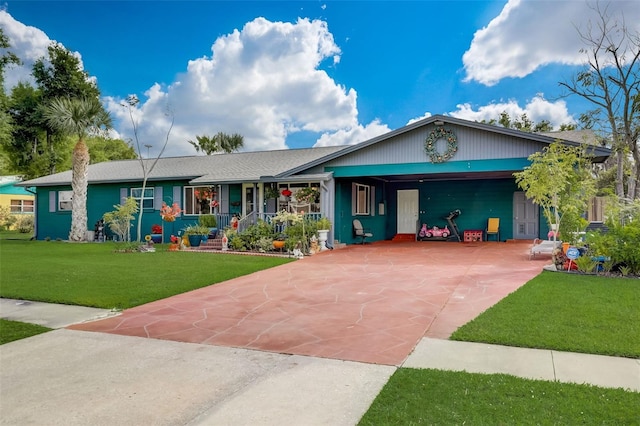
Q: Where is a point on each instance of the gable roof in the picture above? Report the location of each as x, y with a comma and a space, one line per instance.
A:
573, 138
218, 168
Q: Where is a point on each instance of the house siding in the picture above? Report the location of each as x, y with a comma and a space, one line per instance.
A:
100, 200
408, 148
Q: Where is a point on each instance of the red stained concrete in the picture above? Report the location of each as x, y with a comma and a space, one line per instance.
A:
370, 303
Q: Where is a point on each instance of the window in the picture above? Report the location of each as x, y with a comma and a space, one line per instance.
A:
200, 200
21, 206
147, 198
306, 203
64, 200
361, 199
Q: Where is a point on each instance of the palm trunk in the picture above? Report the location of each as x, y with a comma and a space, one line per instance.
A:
80, 161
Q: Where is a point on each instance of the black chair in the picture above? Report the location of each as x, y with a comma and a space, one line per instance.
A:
360, 232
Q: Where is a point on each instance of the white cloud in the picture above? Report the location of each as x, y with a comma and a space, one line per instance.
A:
353, 135
425, 115
536, 109
263, 81
28, 43
529, 34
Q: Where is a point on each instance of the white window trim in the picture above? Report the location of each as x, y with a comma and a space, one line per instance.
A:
361, 199
143, 198
190, 210
22, 207
65, 201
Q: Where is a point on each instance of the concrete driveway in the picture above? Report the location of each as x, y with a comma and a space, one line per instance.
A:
370, 303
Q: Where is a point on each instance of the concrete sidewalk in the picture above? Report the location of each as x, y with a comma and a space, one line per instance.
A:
538, 364
50, 314
67, 377
77, 378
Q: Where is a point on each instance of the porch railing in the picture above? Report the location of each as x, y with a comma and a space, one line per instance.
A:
224, 219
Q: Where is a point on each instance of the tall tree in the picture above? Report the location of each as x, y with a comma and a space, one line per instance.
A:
610, 80
146, 165
60, 75
104, 149
6, 125
221, 142
525, 124
560, 181
26, 150
78, 117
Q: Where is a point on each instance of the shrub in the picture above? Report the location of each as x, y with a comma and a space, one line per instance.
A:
208, 220
620, 244
24, 223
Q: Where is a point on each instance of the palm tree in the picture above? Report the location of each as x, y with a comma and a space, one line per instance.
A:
221, 142
78, 117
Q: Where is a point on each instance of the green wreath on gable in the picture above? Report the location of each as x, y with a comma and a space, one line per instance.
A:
430, 144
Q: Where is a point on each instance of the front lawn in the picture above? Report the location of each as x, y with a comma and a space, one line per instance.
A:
565, 312
434, 397
14, 330
92, 274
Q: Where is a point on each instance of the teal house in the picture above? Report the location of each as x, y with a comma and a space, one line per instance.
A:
393, 183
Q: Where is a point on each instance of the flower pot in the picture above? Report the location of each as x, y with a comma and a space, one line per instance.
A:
213, 233
194, 240
322, 238
156, 238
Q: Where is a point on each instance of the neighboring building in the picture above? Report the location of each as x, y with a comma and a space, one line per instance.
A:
392, 183
18, 199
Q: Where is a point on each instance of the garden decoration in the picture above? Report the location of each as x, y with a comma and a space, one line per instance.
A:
156, 233
175, 243
169, 213
430, 145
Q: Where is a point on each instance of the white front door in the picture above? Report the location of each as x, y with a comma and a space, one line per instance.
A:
525, 217
407, 211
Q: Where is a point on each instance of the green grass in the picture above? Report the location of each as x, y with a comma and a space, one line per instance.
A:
15, 235
94, 275
443, 397
14, 330
566, 312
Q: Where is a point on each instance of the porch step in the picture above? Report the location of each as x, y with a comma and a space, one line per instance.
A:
404, 237
212, 244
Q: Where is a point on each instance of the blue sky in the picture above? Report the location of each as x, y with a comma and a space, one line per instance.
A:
298, 74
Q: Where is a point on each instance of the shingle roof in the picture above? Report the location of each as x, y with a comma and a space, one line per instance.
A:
218, 168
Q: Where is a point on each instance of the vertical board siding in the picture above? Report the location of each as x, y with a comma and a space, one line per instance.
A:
409, 148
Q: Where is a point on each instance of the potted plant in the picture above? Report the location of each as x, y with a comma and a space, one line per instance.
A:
308, 195
196, 234
209, 221
271, 192
279, 241
324, 225
156, 233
